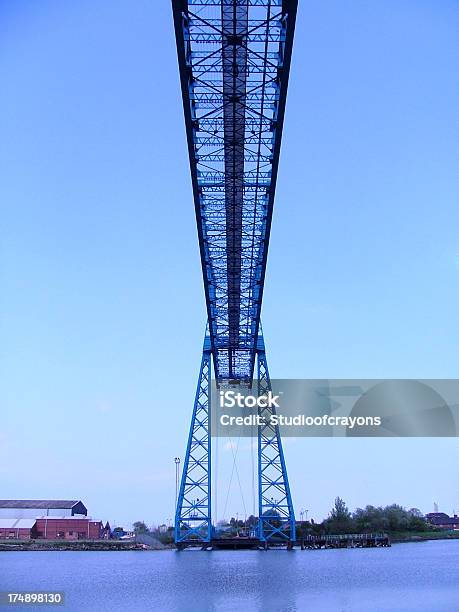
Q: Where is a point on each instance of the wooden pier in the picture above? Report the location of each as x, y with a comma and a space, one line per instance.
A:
310, 542
352, 540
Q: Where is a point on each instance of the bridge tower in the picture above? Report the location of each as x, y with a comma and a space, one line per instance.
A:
234, 62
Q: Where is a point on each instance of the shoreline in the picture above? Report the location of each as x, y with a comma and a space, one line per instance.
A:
117, 545
423, 537
77, 545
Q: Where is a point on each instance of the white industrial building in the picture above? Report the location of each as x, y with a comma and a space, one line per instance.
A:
33, 508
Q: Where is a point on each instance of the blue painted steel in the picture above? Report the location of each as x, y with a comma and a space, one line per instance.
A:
193, 516
276, 517
234, 60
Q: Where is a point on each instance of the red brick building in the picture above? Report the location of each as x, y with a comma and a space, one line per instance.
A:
67, 528
443, 521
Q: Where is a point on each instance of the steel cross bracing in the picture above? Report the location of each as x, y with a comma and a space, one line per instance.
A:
193, 518
193, 512
234, 60
276, 517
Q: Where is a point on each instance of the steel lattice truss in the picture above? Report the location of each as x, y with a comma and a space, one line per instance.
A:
193, 513
234, 59
276, 517
193, 518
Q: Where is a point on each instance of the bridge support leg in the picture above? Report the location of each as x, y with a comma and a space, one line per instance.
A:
276, 520
193, 522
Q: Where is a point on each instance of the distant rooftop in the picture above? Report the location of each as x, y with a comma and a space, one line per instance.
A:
75, 517
440, 518
437, 515
59, 504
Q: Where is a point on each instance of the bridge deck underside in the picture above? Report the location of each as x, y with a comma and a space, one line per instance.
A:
234, 58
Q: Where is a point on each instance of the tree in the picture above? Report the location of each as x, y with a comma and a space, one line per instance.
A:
417, 520
340, 519
236, 523
390, 518
340, 511
370, 519
140, 527
252, 521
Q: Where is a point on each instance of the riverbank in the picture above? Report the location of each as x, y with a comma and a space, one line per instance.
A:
75, 545
126, 545
422, 536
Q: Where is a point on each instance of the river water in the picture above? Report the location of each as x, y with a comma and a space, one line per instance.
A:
421, 577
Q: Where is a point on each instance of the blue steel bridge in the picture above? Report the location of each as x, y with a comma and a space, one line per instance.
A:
234, 61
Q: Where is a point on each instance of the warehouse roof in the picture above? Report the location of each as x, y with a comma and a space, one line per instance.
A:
75, 517
448, 520
15, 523
39, 503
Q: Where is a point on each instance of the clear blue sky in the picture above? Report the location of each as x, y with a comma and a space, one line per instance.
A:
102, 307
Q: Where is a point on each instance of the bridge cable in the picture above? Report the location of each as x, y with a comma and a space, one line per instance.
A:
234, 469
216, 481
252, 454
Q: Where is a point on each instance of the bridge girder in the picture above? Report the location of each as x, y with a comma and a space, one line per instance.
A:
234, 61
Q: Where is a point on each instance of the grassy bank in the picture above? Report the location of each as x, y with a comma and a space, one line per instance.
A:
420, 536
